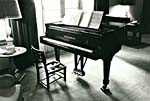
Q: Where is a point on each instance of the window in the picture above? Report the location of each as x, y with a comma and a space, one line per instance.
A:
51, 10
71, 5
87, 5
54, 10
2, 30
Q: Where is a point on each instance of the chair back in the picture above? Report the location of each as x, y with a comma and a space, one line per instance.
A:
39, 58
38, 55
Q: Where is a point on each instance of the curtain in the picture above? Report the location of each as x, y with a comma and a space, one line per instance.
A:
146, 13
101, 5
24, 32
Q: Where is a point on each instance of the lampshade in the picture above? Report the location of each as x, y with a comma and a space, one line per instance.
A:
9, 9
128, 2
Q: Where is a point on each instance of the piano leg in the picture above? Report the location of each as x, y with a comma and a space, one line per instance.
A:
76, 61
57, 53
106, 70
82, 65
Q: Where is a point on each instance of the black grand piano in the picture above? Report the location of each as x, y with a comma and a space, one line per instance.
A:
85, 43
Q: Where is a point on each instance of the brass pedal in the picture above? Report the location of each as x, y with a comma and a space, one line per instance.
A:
79, 72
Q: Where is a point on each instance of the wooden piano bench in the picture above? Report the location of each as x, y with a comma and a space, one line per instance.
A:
133, 33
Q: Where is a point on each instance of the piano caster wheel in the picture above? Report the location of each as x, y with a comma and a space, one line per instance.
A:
83, 73
78, 72
106, 90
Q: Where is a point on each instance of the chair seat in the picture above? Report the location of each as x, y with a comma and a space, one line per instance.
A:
7, 81
55, 66
9, 90
55, 69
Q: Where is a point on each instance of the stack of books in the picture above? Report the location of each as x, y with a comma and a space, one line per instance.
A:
7, 47
3, 43
10, 46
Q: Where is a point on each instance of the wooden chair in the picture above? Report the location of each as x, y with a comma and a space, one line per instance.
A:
47, 73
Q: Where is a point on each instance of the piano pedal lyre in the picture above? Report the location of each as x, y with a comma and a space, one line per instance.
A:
82, 60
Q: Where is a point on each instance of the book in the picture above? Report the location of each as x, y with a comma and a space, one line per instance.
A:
3, 43
2, 51
87, 19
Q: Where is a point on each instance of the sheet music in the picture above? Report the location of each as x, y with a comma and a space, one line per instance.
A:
86, 16
88, 19
96, 19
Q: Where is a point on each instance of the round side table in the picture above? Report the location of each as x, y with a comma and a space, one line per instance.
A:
18, 51
12, 68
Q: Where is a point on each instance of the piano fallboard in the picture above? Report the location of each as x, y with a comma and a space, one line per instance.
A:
69, 47
73, 35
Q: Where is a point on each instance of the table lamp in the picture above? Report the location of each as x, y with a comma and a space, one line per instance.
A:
127, 3
9, 9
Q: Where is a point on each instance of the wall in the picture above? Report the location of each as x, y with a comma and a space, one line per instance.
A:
134, 12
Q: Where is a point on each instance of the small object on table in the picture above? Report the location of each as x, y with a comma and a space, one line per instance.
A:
9, 52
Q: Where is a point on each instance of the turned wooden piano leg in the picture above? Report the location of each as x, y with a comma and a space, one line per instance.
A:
76, 61
57, 54
82, 65
106, 70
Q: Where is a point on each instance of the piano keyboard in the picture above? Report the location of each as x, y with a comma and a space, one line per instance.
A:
60, 43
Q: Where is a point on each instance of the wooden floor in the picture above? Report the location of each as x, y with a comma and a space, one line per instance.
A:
129, 79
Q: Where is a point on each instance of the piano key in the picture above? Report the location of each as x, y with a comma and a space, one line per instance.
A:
67, 45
